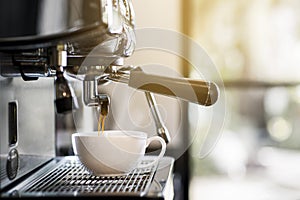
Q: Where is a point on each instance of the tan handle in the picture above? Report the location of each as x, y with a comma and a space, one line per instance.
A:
195, 91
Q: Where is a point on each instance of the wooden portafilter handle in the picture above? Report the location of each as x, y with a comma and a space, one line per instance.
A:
191, 90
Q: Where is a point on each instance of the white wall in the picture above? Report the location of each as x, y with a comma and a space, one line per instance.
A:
158, 13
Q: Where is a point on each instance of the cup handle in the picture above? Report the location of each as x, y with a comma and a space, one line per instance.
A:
162, 152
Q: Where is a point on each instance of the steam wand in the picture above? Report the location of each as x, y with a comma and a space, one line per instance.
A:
161, 129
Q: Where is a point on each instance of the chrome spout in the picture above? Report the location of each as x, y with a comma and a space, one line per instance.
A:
92, 98
90, 93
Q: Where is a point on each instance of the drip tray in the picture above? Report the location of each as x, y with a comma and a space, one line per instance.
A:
70, 178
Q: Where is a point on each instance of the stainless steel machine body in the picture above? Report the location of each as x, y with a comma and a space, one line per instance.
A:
42, 44
46, 38
37, 38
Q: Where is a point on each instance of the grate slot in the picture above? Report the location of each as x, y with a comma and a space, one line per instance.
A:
3, 173
49, 183
71, 177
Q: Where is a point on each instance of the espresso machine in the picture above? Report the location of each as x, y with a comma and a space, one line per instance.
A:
44, 44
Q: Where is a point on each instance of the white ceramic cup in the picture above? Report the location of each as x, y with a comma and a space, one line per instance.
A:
113, 152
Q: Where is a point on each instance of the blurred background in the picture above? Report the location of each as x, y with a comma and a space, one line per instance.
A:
255, 45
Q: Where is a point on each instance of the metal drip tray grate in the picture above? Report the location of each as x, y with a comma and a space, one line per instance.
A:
71, 178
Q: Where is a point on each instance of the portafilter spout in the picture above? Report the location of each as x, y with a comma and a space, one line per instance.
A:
92, 98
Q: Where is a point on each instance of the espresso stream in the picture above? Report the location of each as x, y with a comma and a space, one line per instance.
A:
101, 123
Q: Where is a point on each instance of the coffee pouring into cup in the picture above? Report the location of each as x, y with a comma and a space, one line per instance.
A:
119, 152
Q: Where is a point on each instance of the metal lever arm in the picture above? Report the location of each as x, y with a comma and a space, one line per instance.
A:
195, 91
162, 130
